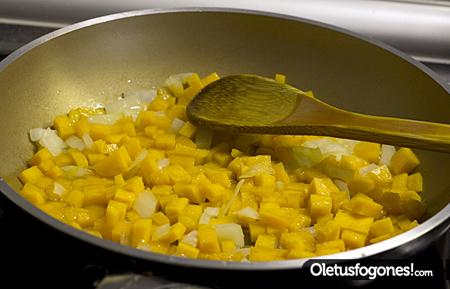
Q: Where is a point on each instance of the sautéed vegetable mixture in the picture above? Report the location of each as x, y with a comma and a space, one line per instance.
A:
137, 172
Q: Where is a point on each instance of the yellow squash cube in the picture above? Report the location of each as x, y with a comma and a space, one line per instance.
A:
415, 182
368, 151
31, 175
142, 229
185, 250
320, 205
404, 161
267, 241
382, 227
208, 241
117, 163
353, 239
121, 233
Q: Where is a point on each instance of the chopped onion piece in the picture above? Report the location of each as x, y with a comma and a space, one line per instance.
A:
341, 185
235, 194
52, 142
175, 82
231, 231
88, 141
364, 170
203, 138
139, 158
145, 204
105, 119
176, 125
248, 212
75, 143
160, 231
387, 151
36, 133
208, 213
75, 171
163, 163
191, 238
116, 107
58, 189
328, 147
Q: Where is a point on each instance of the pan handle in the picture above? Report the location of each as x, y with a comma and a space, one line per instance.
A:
138, 281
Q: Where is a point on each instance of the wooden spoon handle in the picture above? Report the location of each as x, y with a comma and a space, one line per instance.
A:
394, 131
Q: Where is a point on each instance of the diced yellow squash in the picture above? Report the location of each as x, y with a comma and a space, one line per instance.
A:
213, 192
116, 163
320, 205
210, 78
353, 239
64, 126
327, 231
350, 221
279, 218
82, 127
95, 195
365, 206
31, 175
368, 151
400, 181
265, 180
330, 247
323, 186
208, 241
299, 222
125, 197
142, 229
41, 156
115, 212
381, 175
185, 250
404, 161
63, 159
159, 219
177, 174
280, 78
227, 246
188, 130
260, 254
100, 131
382, 227
134, 184
79, 158
175, 232
75, 198
267, 241
175, 207
165, 141
360, 184
189, 191
415, 182
33, 194
340, 199
194, 86
133, 146
185, 162
55, 172
121, 233
301, 239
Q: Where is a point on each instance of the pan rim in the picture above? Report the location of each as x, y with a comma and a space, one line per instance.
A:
366, 251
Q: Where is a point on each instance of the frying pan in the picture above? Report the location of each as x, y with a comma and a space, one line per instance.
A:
129, 51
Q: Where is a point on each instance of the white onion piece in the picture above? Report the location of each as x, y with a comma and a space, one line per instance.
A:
248, 212
105, 119
160, 231
76, 171
208, 213
364, 170
58, 189
88, 141
176, 125
36, 133
231, 231
235, 193
191, 238
145, 204
175, 82
341, 185
75, 143
387, 151
328, 147
163, 163
139, 158
52, 142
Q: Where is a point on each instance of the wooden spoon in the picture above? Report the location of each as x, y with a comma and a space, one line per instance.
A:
254, 104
